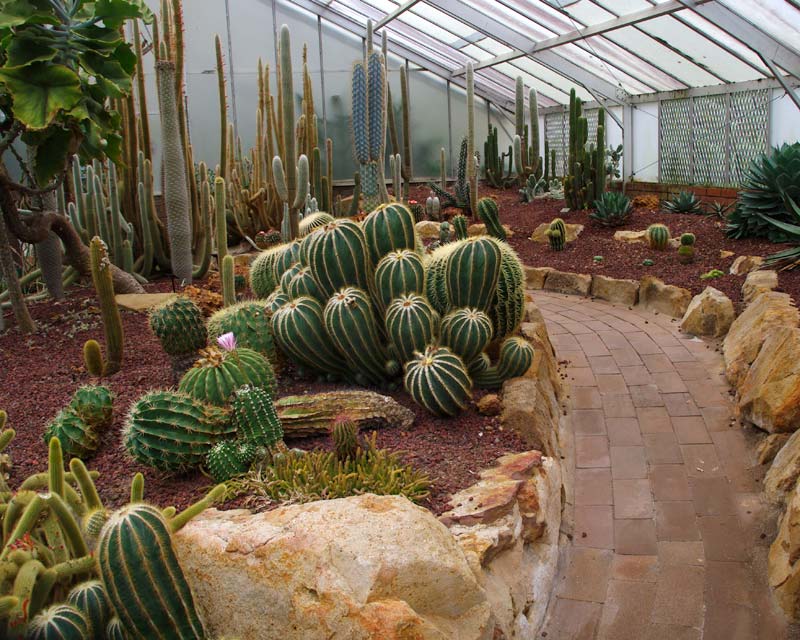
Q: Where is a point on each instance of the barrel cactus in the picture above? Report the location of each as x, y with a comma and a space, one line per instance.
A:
466, 332
77, 438
314, 221
173, 431
91, 600
94, 404
471, 273
490, 216
516, 357
250, 321
58, 622
230, 458
303, 283
436, 277
411, 325
557, 234
338, 257
275, 301
287, 276
179, 326
438, 381
255, 418
148, 591
344, 434
351, 326
459, 223
264, 270
114, 630
299, 330
658, 236
399, 273
218, 373
509, 301
389, 228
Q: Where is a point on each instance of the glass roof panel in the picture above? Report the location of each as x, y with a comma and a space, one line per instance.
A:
777, 17
433, 16
542, 79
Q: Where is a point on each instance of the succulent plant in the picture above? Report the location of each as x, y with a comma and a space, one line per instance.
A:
230, 458
287, 276
115, 630
687, 239
250, 321
91, 599
76, 436
338, 257
508, 307
516, 357
399, 273
612, 209
218, 373
466, 332
314, 221
173, 431
658, 236
109, 311
684, 202
93, 404
389, 228
179, 326
557, 234
58, 622
436, 277
255, 417
459, 223
490, 216
479, 255
411, 325
438, 381
267, 268
303, 283
344, 434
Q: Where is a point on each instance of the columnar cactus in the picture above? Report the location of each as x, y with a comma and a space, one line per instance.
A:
399, 273
299, 330
229, 458
250, 322
490, 216
109, 311
369, 124
353, 329
658, 236
173, 431
255, 418
218, 373
149, 591
411, 325
516, 357
557, 234
578, 188
344, 434
178, 324
433, 207
466, 332
472, 271
459, 223
338, 257
228, 286
389, 228
438, 381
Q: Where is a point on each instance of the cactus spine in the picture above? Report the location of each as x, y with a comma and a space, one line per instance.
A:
228, 286
112, 321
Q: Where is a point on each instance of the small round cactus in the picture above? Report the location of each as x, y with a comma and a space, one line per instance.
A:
687, 239
557, 234
61, 621
658, 236
179, 326
438, 381
229, 458
344, 433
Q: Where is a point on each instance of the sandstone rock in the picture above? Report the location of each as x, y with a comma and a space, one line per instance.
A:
785, 470
428, 229
480, 230
745, 264
710, 313
784, 559
758, 282
528, 410
489, 405
535, 276
573, 231
630, 237
244, 259
544, 367
769, 447
142, 301
615, 290
567, 282
748, 331
769, 395
668, 299
363, 568
725, 254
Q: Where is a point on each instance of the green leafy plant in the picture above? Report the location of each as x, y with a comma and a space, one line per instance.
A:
597, 259
612, 209
790, 258
718, 209
714, 273
684, 202
647, 262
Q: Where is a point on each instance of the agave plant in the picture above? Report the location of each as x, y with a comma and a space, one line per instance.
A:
771, 184
789, 258
684, 202
612, 209
718, 209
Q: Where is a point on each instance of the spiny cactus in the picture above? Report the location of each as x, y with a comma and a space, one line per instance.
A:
114, 630
411, 325
93, 404
399, 273
338, 257
303, 283
173, 431
228, 286
687, 239
509, 302
658, 236
471, 273
91, 600
218, 373
93, 358
351, 326
178, 324
149, 591
287, 276
436, 276
344, 434
264, 276
459, 223
109, 311
77, 438
389, 228
314, 221
489, 214
255, 418
229, 458
466, 332
250, 321
557, 234
433, 207
58, 622
516, 356
299, 330
437, 380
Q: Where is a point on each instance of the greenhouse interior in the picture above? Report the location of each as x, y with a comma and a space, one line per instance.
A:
399, 319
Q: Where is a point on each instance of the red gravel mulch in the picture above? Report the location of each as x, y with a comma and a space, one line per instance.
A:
40, 373
625, 260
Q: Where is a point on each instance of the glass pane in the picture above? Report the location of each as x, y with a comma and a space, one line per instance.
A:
776, 17
428, 94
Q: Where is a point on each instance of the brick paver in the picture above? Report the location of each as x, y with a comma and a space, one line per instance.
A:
665, 507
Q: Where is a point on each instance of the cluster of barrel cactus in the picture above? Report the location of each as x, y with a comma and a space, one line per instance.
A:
361, 302
69, 568
79, 424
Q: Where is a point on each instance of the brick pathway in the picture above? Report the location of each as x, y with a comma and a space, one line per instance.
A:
669, 529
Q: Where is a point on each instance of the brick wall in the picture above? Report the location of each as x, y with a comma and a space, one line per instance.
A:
723, 195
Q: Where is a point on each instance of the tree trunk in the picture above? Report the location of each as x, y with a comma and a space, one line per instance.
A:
9, 271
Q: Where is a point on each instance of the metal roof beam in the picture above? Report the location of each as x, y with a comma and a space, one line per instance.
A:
399, 11
779, 77
504, 101
765, 45
665, 8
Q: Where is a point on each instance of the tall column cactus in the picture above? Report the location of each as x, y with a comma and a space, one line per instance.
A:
369, 125
112, 321
176, 191
534, 159
600, 156
288, 150
576, 179
407, 168
472, 171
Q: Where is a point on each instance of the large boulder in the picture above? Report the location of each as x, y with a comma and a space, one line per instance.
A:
615, 290
785, 470
668, 299
539, 233
784, 559
428, 229
360, 568
769, 395
576, 284
710, 313
758, 282
747, 333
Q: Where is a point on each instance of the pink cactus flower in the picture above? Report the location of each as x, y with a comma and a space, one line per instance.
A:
227, 341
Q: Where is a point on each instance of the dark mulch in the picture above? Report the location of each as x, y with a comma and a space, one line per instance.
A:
39, 373
625, 260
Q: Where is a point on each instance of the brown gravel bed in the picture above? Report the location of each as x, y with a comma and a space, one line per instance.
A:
39, 373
